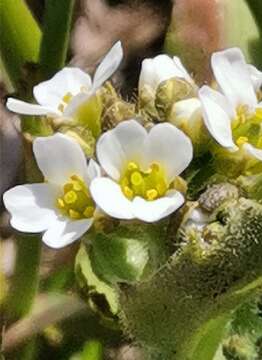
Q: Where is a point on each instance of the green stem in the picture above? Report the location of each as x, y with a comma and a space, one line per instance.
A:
20, 38
57, 24
26, 277
256, 9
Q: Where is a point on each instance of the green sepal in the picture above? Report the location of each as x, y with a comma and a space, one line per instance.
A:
129, 253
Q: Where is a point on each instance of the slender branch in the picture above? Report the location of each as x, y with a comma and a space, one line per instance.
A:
25, 279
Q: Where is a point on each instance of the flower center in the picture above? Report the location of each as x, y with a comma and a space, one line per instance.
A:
68, 97
150, 184
76, 202
247, 128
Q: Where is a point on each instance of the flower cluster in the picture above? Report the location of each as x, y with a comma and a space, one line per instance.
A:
136, 171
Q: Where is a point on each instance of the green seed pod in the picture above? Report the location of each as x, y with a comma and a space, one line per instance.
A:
216, 194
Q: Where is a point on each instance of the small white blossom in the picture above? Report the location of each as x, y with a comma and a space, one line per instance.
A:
142, 168
159, 69
62, 206
68, 89
229, 113
185, 114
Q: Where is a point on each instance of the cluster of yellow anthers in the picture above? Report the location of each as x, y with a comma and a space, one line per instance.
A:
247, 127
76, 202
149, 184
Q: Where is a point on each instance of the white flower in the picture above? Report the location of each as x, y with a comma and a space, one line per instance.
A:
142, 167
159, 69
67, 89
232, 114
62, 206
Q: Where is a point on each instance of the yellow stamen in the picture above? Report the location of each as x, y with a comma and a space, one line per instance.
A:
67, 97
89, 211
74, 214
132, 166
60, 203
136, 178
241, 140
128, 192
70, 197
151, 194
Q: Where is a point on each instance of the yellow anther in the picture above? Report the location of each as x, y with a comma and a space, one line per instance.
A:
132, 166
241, 140
136, 178
67, 97
128, 192
73, 214
89, 211
60, 203
77, 186
151, 194
70, 197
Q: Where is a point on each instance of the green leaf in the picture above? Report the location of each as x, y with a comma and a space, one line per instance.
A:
20, 38
56, 30
87, 279
241, 30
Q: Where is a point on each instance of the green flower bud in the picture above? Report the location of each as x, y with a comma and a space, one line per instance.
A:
170, 92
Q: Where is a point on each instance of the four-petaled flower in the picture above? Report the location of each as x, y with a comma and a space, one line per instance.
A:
62, 206
142, 168
68, 89
234, 115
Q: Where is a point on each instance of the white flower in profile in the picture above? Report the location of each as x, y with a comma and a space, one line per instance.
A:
68, 89
62, 206
142, 168
233, 116
159, 69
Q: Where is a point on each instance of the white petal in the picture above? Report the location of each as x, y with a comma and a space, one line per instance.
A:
188, 109
22, 107
59, 157
233, 77
108, 65
181, 70
254, 152
151, 211
109, 197
119, 145
31, 207
256, 77
63, 232
68, 80
148, 75
165, 68
93, 171
216, 116
170, 147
